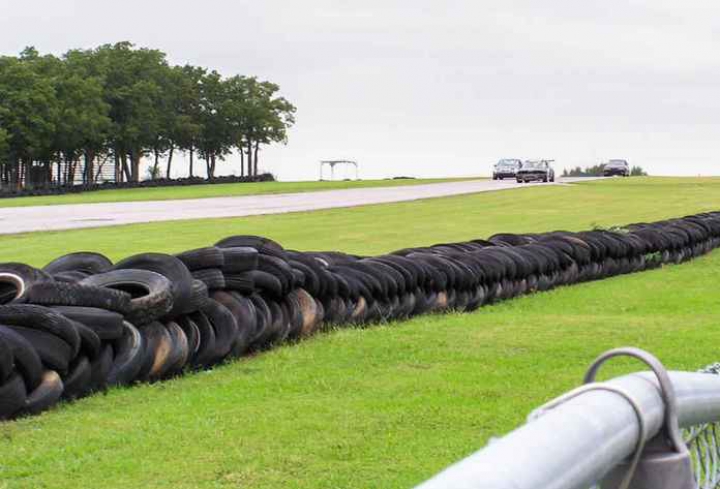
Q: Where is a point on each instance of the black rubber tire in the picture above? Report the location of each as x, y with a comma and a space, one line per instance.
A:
181, 349
263, 318
44, 319
243, 282
107, 325
212, 277
27, 360
151, 293
192, 333
158, 336
239, 259
129, 353
199, 297
90, 342
225, 327
243, 312
263, 245
78, 382
45, 395
6, 361
206, 347
16, 279
78, 294
202, 258
13, 394
87, 262
55, 354
263, 282
70, 277
280, 269
100, 368
170, 267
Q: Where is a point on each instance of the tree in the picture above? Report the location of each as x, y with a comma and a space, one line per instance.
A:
637, 171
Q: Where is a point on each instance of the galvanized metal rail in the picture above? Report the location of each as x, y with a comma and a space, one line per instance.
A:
586, 435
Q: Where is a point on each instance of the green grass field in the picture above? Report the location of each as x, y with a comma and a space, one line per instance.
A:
207, 191
387, 406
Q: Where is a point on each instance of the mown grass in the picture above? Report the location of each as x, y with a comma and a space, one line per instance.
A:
210, 190
387, 406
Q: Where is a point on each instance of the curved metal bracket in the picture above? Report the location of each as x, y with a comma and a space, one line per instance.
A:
667, 391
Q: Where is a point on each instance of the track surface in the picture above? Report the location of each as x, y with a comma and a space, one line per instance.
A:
73, 216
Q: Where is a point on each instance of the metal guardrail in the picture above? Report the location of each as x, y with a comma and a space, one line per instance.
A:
586, 434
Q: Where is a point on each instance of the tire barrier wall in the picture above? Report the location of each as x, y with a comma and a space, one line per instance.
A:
13, 191
82, 323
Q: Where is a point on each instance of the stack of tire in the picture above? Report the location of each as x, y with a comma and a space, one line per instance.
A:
83, 324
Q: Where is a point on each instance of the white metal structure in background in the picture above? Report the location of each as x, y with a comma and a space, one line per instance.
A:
592, 436
333, 163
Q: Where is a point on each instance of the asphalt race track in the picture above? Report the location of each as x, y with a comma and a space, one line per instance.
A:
57, 217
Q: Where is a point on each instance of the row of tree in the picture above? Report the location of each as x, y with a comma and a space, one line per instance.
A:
597, 171
120, 104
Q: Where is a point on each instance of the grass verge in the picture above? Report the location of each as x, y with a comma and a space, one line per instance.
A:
382, 407
209, 190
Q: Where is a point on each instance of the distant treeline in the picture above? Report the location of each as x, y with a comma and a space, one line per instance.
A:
597, 171
63, 118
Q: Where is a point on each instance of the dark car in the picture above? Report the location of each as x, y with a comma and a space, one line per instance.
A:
616, 168
506, 168
536, 171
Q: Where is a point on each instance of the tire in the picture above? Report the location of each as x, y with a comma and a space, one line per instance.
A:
78, 381
13, 394
206, 341
6, 361
55, 354
100, 368
180, 353
278, 268
245, 318
261, 244
16, 279
151, 293
107, 325
129, 355
263, 319
43, 319
243, 282
213, 278
192, 333
70, 277
158, 336
89, 263
78, 294
225, 327
239, 259
90, 343
263, 282
171, 268
200, 295
45, 395
202, 258
309, 311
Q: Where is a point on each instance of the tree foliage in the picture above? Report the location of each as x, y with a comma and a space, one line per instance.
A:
125, 104
597, 171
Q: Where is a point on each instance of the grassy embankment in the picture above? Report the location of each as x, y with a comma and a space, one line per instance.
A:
383, 407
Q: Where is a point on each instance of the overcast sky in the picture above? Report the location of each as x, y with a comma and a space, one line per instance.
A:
433, 88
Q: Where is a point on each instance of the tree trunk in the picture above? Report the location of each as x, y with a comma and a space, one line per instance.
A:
257, 146
249, 154
169, 163
135, 165
156, 166
192, 160
125, 167
242, 162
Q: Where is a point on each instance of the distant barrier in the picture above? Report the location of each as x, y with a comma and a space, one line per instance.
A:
10, 191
